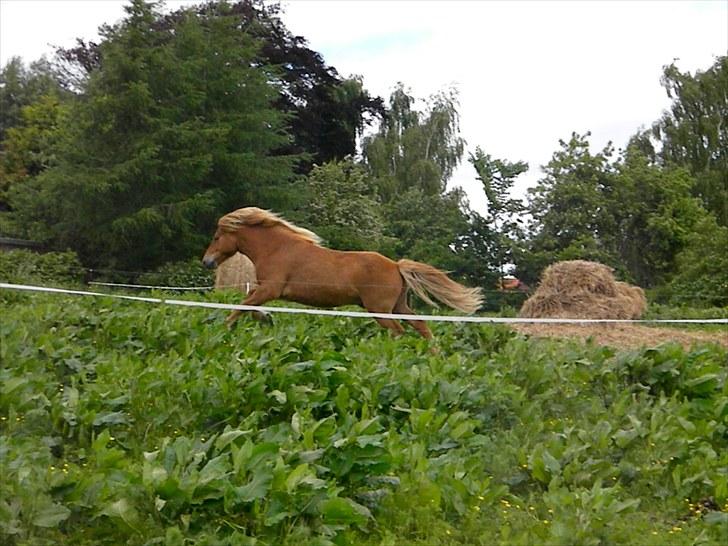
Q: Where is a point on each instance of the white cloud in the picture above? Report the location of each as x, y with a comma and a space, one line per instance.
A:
529, 73
30, 29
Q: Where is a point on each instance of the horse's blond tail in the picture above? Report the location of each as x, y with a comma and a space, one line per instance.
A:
424, 279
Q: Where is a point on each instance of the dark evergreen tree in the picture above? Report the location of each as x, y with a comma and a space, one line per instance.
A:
325, 112
175, 128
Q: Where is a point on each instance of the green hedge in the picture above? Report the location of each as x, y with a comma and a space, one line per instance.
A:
25, 266
183, 274
58, 269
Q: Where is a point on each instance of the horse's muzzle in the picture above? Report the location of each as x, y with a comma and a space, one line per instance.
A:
209, 263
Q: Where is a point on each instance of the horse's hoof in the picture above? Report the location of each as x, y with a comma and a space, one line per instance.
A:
264, 317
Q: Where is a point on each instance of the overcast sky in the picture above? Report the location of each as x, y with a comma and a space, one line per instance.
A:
529, 73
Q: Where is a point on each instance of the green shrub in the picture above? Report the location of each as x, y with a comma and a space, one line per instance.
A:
27, 267
702, 276
661, 311
183, 274
57, 269
506, 303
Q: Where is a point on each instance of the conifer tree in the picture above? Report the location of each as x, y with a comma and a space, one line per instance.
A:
174, 129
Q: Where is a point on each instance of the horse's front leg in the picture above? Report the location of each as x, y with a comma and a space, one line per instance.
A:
260, 316
258, 296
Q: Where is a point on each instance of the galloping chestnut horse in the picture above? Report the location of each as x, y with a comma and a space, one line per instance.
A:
291, 265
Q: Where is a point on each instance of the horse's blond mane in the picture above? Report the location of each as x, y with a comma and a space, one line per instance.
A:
253, 216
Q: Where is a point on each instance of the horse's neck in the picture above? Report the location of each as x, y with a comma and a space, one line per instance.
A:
259, 243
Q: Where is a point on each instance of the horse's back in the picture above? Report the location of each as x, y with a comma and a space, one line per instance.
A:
377, 278
366, 265
323, 274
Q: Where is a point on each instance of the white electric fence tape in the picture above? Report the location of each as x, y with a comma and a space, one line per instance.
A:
151, 286
158, 287
247, 286
356, 314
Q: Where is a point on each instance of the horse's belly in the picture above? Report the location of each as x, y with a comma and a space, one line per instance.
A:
322, 296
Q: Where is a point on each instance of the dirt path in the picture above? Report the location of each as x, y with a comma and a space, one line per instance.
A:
625, 335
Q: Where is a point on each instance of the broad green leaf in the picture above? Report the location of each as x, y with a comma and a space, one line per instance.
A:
174, 537
215, 469
551, 463
9, 385
461, 430
624, 437
296, 424
111, 418
343, 510
260, 454
250, 457
687, 425
324, 429
295, 477
704, 384
369, 440
51, 515
257, 488
716, 518
279, 396
99, 444
121, 509
153, 475
625, 505
342, 398
229, 436
311, 456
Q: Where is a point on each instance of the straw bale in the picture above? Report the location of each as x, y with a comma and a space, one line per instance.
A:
582, 289
236, 273
636, 297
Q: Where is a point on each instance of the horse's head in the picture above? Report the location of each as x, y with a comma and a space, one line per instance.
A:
224, 244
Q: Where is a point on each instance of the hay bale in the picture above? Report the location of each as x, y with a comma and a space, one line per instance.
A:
581, 289
236, 273
636, 298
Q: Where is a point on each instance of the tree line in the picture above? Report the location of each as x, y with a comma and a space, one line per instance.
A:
126, 151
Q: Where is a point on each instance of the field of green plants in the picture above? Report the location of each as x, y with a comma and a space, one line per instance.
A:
128, 423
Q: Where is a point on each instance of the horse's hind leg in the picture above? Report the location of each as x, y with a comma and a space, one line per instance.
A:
393, 325
401, 307
380, 305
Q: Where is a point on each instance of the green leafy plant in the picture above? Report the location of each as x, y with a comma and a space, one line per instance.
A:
127, 423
